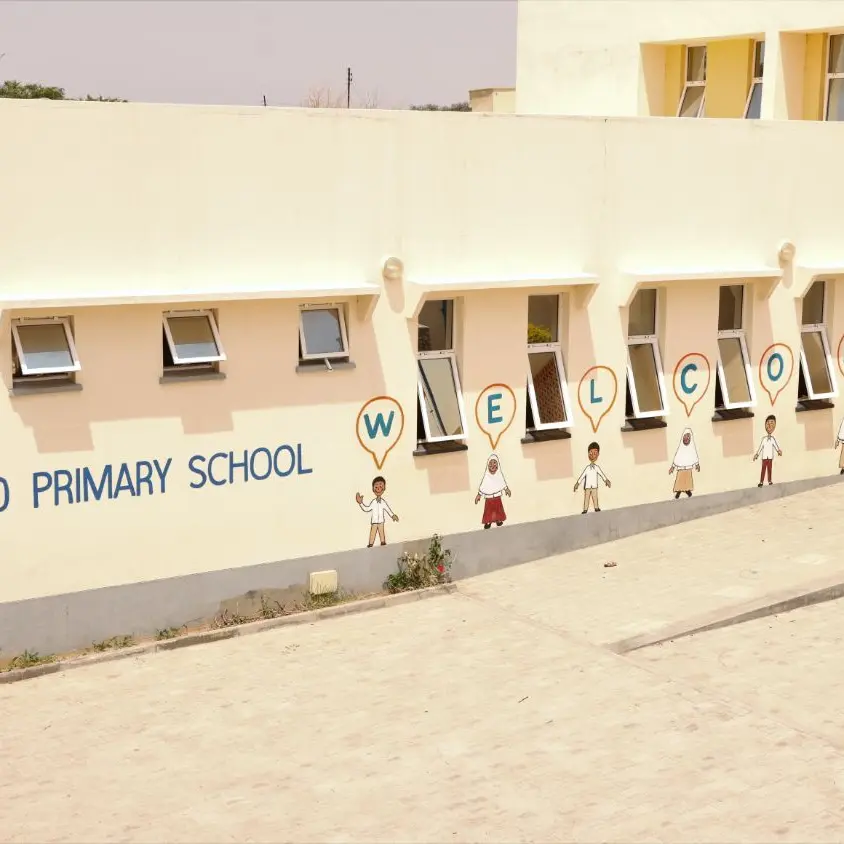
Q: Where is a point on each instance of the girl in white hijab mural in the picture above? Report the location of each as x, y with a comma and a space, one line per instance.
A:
491, 488
685, 460
839, 441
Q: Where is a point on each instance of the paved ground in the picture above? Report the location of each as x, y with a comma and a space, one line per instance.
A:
491, 715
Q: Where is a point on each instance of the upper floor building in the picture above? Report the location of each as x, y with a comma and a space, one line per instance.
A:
779, 59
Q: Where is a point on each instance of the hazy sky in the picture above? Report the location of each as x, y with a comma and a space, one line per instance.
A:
221, 52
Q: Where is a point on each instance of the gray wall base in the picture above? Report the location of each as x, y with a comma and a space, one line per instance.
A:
60, 623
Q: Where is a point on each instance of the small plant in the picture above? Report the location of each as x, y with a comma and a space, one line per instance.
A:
539, 334
112, 644
229, 619
419, 571
322, 600
169, 632
29, 658
271, 609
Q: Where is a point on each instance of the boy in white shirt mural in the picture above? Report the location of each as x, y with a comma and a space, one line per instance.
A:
768, 446
379, 509
589, 478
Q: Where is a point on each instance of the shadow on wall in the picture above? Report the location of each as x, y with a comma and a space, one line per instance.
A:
552, 459
121, 381
819, 430
446, 472
737, 437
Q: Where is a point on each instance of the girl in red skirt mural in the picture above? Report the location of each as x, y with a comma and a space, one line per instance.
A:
491, 488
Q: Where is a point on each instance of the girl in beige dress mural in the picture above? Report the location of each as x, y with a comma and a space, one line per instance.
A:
685, 462
839, 443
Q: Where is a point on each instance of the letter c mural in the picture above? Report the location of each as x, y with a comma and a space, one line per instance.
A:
692, 376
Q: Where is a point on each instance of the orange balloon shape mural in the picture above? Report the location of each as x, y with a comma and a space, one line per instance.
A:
596, 394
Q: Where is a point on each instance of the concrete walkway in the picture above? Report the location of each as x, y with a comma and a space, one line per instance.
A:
495, 714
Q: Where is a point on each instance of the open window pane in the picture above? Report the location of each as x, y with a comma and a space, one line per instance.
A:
546, 390
322, 332
692, 102
815, 366
836, 54
645, 376
758, 59
441, 405
813, 304
754, 103
192, 338
730, 306
735, 388
435, 326
696, 64
835, 99
44, 348
543, 319
641, 318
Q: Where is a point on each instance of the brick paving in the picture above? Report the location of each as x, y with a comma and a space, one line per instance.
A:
490, 715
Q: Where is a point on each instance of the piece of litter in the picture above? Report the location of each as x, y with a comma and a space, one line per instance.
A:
524, 698
609, 565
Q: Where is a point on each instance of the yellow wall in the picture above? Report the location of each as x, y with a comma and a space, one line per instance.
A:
128, 200
729, 65
675, 78
814, 76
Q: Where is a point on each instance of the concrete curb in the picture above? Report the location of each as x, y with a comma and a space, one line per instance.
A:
816, 592
248, 629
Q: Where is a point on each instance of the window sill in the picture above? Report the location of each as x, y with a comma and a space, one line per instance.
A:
319, 365
38, 387
182, 377
631, 425
804, 405
726, 415
429, 449
546, 436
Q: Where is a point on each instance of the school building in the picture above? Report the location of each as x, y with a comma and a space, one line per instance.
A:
221, 324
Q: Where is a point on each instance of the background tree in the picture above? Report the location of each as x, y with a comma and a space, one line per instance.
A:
331, 98
432, 107
13, 90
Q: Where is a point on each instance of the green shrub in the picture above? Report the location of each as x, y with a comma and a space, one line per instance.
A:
419, 571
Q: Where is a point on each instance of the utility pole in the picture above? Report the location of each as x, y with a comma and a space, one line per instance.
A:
265, 100
348, 87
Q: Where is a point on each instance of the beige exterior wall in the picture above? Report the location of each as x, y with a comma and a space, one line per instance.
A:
253, 212
497, 100
580, 57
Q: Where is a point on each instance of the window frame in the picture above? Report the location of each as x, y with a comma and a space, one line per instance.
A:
653, 341
740, 335
818, 328
755, 80
179, 362
693, 83
26, 371
557, 350
450, 355
344, 333
829, 76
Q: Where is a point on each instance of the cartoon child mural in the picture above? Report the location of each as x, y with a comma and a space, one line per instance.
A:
768, 446
839, 442
589, 478
491, 488
379, 509
686, 460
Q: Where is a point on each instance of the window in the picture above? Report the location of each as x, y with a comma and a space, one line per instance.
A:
734, 388
43, 350
322, 333
191, 342
441, 411
693, 101
548, 397
817, 379
645, 379
835, 78
753, 107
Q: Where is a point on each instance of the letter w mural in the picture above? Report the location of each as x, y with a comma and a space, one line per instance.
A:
379, 425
